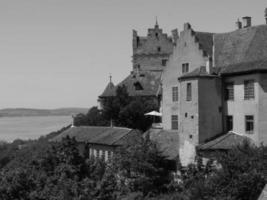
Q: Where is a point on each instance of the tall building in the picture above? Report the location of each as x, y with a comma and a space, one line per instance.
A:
216, 83
150, 56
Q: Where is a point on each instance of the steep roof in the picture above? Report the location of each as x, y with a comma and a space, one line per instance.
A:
263, 195
143, 83
96, 134
245, 67
224, 142
240, 46
109, 90
205, 40
167, 140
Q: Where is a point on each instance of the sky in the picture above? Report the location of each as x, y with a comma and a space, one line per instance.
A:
59, 53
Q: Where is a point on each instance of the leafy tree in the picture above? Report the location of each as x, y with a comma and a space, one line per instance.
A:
142, 168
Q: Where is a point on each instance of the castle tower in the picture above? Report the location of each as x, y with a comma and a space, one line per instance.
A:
151, 53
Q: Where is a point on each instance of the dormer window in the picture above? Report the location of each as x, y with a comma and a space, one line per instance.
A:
159, 49
138, 86
157, 35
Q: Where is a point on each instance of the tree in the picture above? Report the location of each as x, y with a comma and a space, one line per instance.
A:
142, 168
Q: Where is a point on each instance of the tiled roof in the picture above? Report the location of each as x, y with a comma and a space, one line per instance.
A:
109, 90
149, 81
205, 40
240, 46
200, 72
263, 195
224, 142
96, 134
167, 140
245, 67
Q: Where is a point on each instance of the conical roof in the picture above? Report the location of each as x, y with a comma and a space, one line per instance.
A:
109, 90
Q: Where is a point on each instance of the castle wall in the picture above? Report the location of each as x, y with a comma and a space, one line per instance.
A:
239, 107
263, 109
186, 51
189, 113
210, 108
150, 62
149, 51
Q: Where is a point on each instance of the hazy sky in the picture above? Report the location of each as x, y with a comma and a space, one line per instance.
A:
59, 53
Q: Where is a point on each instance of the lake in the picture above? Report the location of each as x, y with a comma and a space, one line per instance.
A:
12, 128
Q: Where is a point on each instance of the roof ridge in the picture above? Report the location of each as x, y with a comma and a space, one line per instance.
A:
222, 138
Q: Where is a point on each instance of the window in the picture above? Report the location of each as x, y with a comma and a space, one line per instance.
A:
229, 91
163, 62
249, 89
185, 68
174, 94
229, 123
159, 49
97, 153
188, 92
138, 86
174, 122
249, 123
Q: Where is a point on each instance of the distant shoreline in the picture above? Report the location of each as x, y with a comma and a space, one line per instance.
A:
29, 112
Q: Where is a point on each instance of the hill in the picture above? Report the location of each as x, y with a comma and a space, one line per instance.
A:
27, 112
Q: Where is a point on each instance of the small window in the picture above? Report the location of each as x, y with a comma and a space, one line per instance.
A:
185, 68
157, 35
174, 122
159, 49
138, 86
229, 91
185, 115
163, 62
188, 92
249, 89
249, 123
229, 123
174, 94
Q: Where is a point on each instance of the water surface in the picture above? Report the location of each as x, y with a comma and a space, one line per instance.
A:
12, 128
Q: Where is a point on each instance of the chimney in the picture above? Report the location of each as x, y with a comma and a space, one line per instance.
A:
238, 24
265, 15
208, 65
246, 21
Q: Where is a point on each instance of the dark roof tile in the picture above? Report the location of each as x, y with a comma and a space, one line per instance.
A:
241, 46
224, 142
96, 134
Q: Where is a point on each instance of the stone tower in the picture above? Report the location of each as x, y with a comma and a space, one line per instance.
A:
151, 53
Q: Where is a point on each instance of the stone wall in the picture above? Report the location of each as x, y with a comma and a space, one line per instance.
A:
239, 107
149, 51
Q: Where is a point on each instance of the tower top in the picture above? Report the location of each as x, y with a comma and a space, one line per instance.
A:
110, 78
156, 25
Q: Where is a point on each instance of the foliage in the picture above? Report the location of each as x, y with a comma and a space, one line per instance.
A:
142, 168
55, 171
129, 111
94, 117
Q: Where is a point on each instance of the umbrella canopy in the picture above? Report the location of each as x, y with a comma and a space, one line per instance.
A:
154, 113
